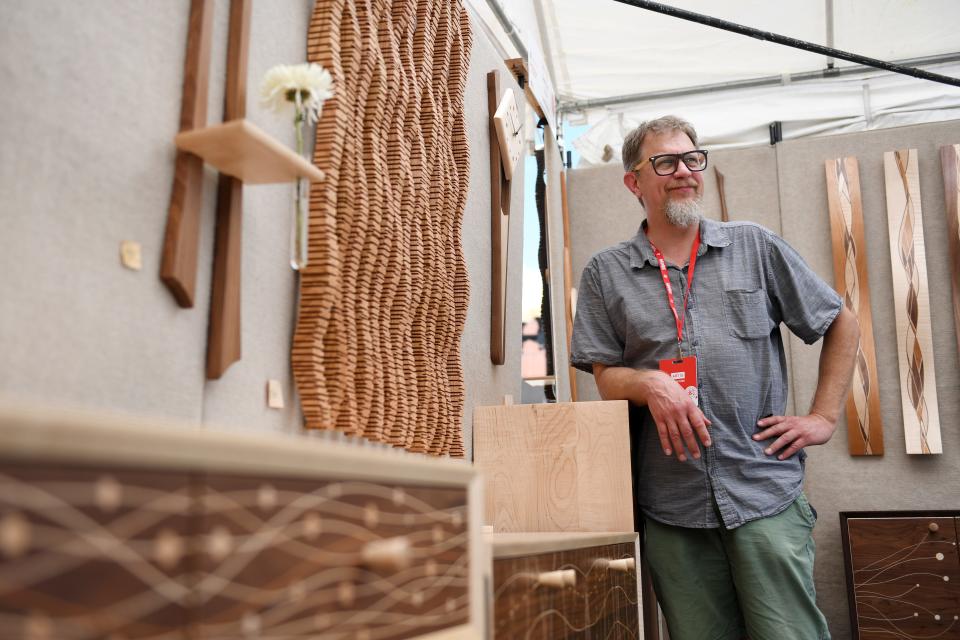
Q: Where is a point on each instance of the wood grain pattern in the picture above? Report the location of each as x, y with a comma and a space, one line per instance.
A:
223, 338
950, 164
555, 467
376, 350
243, 150
918, 387
178, 266
499, 230
864, 423
904, 577
601, 604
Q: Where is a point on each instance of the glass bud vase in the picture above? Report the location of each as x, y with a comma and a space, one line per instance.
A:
299, 225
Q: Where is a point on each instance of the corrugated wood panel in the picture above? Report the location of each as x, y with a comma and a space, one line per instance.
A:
555, 467
383, 299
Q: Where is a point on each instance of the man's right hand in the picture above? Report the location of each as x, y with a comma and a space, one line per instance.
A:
679, 422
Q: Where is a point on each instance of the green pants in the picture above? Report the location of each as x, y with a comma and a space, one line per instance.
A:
754, 581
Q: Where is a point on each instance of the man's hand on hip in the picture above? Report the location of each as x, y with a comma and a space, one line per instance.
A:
796, 431
679, 421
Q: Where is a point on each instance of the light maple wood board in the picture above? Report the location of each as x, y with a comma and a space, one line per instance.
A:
555, 467
918, 385
864, 425
950, 163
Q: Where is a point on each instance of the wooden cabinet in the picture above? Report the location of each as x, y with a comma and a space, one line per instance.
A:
110, 529
564, 585
903, 574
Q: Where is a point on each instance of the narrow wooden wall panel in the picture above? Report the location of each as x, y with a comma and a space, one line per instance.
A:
950, 163
555, 467
178, 267
864, 424
918, 388
223, 339
383, 299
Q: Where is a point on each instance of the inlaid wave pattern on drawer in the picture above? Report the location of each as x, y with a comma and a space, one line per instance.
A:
125, 554
567, 594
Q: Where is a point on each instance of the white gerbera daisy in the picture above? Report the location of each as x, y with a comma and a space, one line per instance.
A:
303, 86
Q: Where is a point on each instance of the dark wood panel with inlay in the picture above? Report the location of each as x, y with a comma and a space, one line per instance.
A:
112, 553
90, 554
299, 558
579, 593
903, 576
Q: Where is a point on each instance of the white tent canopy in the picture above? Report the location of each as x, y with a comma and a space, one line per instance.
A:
612, 65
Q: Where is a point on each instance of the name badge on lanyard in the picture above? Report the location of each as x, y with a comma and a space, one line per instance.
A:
683, 369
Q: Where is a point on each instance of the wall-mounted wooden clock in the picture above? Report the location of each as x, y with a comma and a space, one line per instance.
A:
509, 128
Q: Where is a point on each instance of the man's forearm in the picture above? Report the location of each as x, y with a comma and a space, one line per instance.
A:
625, 383
837, 359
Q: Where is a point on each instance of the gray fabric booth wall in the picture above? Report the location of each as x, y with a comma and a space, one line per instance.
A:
784, 189
90, 105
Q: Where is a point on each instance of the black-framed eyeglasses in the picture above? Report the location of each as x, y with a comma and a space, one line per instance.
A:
666, 164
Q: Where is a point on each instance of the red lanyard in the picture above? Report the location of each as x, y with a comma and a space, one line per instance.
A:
666, 283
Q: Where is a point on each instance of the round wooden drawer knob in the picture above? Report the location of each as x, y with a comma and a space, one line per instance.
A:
934, 527
392, 554
624, 564
558, 579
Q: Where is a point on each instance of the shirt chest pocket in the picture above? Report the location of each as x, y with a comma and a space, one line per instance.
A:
745, 313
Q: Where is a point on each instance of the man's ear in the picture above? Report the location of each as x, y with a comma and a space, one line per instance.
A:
630, 182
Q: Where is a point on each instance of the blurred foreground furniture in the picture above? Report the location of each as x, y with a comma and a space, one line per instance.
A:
559, 498
115, 527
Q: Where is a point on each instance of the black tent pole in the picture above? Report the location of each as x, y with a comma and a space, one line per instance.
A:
789, 42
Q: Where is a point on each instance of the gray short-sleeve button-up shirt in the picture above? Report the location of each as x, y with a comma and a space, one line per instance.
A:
747, 281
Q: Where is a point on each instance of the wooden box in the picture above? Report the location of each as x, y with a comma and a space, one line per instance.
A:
555, 467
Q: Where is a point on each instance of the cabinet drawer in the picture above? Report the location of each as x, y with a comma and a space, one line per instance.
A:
570, 593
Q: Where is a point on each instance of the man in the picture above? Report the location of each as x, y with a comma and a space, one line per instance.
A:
683, 321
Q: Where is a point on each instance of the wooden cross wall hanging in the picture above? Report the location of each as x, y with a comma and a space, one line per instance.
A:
243, 154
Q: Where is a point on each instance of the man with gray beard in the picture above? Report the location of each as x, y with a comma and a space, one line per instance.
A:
683, 321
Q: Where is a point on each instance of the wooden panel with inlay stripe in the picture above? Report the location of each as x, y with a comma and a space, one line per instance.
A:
864, 424
950, 163
918, 385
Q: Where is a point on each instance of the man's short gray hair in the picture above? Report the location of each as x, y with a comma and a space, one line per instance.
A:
633, 143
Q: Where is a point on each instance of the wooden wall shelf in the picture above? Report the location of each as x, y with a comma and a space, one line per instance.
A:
241, 149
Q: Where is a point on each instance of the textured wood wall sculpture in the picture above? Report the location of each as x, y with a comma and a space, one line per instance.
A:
864, 425
918, 384
903, 575
383, 300
950, 162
